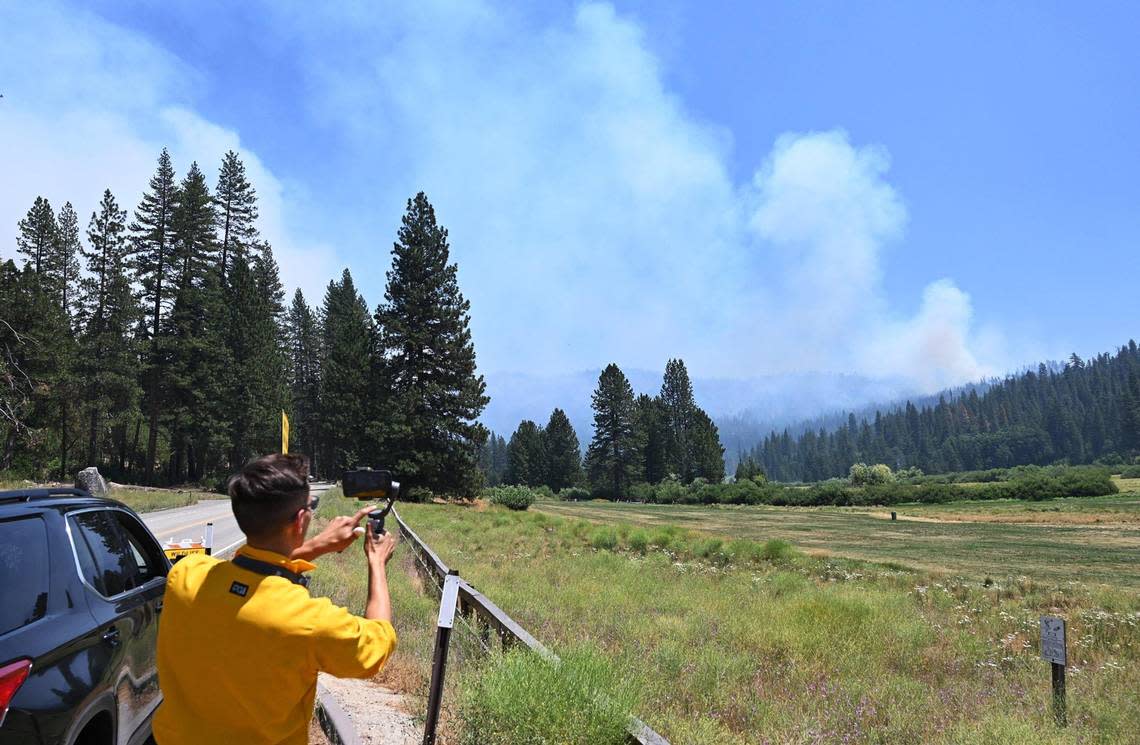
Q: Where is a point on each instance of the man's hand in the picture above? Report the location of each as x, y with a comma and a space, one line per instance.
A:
337, 536
378, 548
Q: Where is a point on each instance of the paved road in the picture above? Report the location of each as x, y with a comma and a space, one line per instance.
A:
190, 522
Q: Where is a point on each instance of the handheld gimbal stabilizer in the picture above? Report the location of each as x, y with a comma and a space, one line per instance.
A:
364, 484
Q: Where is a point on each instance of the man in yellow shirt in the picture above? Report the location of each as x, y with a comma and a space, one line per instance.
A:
240, 642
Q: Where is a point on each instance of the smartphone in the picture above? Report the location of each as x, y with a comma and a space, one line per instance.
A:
364, 483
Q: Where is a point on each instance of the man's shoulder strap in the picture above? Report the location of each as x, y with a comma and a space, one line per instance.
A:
269, 570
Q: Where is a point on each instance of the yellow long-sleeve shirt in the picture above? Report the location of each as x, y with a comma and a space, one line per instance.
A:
239, 652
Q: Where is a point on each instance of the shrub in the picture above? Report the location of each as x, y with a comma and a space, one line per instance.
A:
862, 475
670, 491
604, 539
511, 497
639, 541
642, 492
418, 494
543, 491
661, 538
1130, 472
574, 494
711, 549
777, 550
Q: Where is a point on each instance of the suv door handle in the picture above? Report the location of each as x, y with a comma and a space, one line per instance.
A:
111, 636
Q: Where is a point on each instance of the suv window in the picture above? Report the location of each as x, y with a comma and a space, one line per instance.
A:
23, 572
147, 556
105, 558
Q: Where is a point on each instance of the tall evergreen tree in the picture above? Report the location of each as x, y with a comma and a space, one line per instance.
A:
346, 392
152, 235
613, 460
304, 349
708, 453
526, 455
255, 391
198, 365
60, 277
651, 426
37, 235
429, 360
64, 258
110, 315
267, 275
679, 410
192, 221
236, 213
563, 465
36, 338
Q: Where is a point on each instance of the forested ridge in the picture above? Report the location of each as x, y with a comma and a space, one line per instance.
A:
1084, 411
161, 348
637, 440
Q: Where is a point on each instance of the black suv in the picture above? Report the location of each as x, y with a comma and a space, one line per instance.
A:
81, 583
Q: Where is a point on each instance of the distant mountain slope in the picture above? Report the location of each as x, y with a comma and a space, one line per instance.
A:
1078, 412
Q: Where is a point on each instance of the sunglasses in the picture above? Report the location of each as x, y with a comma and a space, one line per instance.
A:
313, 503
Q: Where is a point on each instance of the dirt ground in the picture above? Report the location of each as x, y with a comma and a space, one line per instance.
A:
378, 715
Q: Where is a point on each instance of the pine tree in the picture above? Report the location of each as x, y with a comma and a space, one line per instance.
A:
303, 344
236, 213
152, 236
198, 366
110, 314
651, 426
563, 466
429, 360
192, 225
35, 333
64, 258
346, 394
526, 455
708, 453
267, 275
60, 272
255, 392
679, 408
37, 236
613, 460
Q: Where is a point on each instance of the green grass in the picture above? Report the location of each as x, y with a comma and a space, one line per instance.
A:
757, 642
518, 697
1044, 548
144, 500
138, 499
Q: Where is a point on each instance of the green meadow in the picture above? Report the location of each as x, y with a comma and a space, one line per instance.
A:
719, 625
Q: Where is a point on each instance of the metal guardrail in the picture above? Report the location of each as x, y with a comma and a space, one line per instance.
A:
474, 603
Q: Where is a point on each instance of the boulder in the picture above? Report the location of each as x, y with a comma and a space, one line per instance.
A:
92, 481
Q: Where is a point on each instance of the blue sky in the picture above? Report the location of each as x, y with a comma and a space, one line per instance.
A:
899, 190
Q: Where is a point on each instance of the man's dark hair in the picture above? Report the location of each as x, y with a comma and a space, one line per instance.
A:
268, 491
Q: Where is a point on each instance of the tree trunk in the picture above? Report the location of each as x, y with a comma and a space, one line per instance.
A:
63, 443
135, 443
93, 438
151, 443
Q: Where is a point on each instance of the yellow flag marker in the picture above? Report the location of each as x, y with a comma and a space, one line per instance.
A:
284, 432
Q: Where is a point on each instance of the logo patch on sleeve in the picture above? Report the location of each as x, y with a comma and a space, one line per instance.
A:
237, 588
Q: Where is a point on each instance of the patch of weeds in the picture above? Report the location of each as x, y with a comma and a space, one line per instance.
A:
518, 698
604, 539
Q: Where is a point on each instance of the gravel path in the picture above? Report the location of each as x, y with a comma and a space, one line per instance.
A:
377, 714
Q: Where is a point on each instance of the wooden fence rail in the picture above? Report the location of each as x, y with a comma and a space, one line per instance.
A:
473, 603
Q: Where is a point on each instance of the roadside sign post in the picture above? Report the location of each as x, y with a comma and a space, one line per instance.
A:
447, 604
1053, 651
